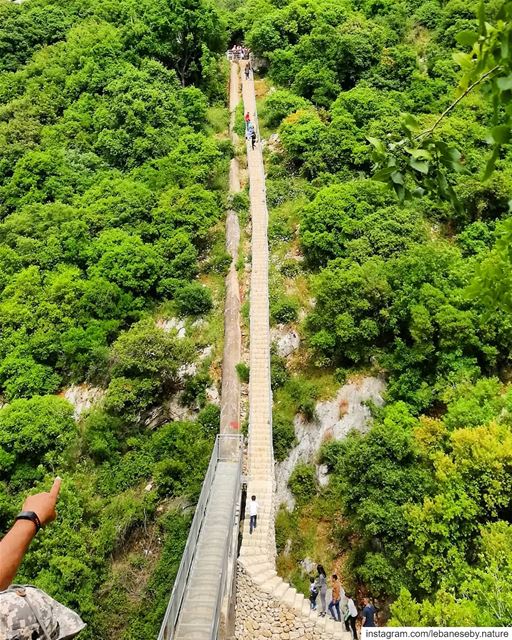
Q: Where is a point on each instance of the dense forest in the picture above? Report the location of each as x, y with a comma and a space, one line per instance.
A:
113, 178
113, 173
410, 283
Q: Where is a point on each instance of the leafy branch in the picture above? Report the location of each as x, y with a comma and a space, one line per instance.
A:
431, 129
420, 163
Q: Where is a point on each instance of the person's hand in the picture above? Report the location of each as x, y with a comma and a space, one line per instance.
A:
43, 504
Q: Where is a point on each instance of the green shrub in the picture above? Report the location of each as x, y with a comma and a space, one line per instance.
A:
284, 310
195, 388
304, 395
209, 419
220, 261
101, 432
33, 436
280, 104
130, 397
302, 483
285, 528
240, 202
341, 375
290, 268
278, 371
283, 437
239, 120
243, 372
193, 299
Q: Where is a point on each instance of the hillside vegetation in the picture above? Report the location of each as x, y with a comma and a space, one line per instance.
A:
416, 290
111, 196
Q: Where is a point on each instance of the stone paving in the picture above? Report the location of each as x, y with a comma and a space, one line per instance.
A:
266, 606
232, 355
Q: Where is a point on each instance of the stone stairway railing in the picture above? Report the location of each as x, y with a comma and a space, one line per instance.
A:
206, 557
266, 607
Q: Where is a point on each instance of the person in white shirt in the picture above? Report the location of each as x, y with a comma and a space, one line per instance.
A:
253, 513
351, 616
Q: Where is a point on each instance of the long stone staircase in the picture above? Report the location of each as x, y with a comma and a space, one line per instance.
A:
267, 607
201, 602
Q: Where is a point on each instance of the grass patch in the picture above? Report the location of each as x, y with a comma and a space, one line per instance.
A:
218, 119
307, 531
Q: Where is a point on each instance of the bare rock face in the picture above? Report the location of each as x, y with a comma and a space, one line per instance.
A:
334, 419
178, 411
213, 395
286, 340
83, 397
308, 566
168, 324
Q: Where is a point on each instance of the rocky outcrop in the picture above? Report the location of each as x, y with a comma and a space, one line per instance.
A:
83, 397
334, 419
170, 324
286, 340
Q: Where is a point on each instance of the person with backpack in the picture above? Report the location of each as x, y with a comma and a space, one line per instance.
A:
313, 593
321, 582
247, 70
253, 138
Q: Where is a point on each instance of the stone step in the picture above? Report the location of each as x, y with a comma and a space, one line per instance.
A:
298, 601
331, 626
280, 590
319, 620
263, 525
306, 609
269, 585
289, 596
251, 551
264, 577
257, 565
259, 534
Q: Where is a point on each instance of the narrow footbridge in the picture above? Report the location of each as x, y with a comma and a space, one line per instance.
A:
206, 573
204, 603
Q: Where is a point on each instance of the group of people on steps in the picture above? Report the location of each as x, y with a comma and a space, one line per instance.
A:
239, 52
318, 587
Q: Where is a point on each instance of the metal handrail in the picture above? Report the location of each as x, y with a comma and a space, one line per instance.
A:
228, 548
170, 620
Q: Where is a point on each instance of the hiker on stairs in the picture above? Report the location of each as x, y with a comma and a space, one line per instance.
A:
322, 588
334, 605
253, 514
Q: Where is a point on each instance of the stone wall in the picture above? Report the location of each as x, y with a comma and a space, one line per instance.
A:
261, 616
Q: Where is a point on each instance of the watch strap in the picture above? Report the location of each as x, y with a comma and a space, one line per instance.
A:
32, 516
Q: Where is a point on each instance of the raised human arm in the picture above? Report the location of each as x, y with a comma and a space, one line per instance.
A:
16, 541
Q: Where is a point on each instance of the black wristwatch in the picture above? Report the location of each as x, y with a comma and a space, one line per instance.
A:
30, 515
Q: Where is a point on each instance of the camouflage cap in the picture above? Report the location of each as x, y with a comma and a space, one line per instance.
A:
27, 613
